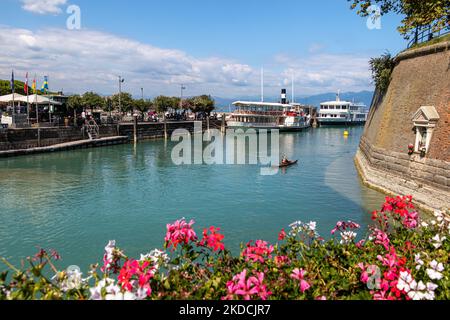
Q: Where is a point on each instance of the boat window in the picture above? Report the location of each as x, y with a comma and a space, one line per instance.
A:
338, 107
332, 107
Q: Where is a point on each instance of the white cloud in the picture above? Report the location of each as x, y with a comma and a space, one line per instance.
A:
87, 60
90, 60
43, 6
327, 72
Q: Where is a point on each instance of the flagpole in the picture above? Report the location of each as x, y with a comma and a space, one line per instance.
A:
28, 102
13, 102
35, 100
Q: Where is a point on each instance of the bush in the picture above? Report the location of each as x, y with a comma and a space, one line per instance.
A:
382, 68
401, 258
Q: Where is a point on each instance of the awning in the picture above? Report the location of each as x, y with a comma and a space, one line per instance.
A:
37, 99
9, 97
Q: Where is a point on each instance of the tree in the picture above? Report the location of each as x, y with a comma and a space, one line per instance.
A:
126, 102
162, 103
418, 13
75, 103
91, 100
5, 87
203, 103
142, 105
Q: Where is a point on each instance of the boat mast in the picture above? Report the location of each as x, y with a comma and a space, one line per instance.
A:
262, 84
293, 91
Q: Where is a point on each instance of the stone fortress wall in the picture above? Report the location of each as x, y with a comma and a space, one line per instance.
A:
421, 78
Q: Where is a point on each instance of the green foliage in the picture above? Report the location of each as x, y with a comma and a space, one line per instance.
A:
126, 102
382, 68
163, 103
203, 103
5, 87
417, 13
91, 100
142, 105
75, 102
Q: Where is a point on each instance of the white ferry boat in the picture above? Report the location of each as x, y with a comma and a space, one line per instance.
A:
342, 113
283, 116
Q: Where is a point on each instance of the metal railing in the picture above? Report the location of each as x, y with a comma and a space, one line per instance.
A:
92, 129
427, 34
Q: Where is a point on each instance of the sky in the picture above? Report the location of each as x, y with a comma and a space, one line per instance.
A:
215, 47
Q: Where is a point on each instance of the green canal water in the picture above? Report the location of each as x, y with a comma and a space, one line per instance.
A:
78, 200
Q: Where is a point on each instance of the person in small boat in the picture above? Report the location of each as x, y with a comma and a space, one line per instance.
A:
285, 160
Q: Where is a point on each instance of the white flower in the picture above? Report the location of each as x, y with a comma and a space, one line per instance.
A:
405, 281
348, 237
435, 270
419, 261
438, 241
156, 257
425, 225
312, 225
416, 295
437, 266
434, 275
112, 290
431, 286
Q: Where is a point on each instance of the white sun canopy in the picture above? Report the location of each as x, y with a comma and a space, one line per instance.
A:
9, 97
36, 99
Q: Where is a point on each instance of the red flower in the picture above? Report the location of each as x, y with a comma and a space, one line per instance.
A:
213, 240
282, 235
258, 252
135, 276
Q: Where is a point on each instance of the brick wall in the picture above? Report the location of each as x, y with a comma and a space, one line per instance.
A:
423, 170
421, 78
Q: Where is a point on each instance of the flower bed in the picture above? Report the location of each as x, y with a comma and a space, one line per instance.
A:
401, 258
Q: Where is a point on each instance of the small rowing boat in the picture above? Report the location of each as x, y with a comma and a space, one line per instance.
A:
288, 164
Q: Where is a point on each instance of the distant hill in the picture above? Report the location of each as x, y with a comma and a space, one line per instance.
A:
315, 100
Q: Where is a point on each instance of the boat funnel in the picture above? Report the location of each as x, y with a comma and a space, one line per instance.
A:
283, 96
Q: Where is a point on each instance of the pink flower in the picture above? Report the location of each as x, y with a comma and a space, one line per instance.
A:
248, 289
344, 226
411, 220
381, 238
258, 252
281, 260
360, 244
180, 232
213, 240
299, 274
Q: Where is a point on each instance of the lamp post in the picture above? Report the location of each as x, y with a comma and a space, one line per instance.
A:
121, 80
142, 93
181, 100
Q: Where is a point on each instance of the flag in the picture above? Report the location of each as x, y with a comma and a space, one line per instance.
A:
44, 88
34, 85
25, 87
12, 82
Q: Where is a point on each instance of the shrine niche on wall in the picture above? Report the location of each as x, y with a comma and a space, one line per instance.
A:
425, 120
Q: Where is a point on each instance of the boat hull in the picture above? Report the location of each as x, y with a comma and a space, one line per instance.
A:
241, 125
341, 123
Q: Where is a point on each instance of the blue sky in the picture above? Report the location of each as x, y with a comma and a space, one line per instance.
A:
214, 47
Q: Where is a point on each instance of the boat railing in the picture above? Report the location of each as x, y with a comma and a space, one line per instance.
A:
259, 113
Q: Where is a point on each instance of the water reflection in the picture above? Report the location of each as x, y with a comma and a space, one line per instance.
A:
76, 201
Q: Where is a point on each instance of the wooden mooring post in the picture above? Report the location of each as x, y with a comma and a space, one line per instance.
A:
135, 127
